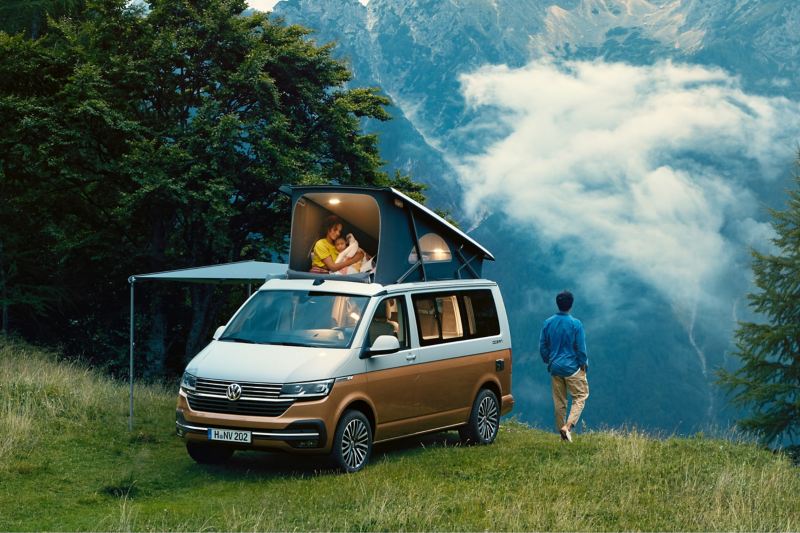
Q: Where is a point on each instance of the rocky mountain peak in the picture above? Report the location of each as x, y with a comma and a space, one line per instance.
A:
598, 24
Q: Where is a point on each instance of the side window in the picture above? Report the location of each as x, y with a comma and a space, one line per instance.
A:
427, 318
481, 313
390, 319
434, 250
451, 317
438, 318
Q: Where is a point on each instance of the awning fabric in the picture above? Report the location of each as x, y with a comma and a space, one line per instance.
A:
228, 273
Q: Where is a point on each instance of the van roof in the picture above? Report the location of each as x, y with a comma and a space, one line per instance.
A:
371, 289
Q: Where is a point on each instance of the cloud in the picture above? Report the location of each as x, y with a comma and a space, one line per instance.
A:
630, 166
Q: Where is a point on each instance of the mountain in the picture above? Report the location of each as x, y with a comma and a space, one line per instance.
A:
660, 281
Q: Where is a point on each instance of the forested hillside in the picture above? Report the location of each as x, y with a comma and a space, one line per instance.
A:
142, 137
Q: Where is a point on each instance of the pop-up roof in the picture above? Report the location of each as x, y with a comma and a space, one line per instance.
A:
409, 241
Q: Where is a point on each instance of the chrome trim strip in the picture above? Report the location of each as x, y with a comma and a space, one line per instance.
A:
279, 435
228, 382
187, 427
249, 398
264, 434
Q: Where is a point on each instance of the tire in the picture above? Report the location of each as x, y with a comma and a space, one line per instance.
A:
208, 454
484, 420
352, 442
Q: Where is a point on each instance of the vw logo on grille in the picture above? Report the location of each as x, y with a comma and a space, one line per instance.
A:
234, 391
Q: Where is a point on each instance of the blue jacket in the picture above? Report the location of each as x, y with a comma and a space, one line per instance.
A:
562, 345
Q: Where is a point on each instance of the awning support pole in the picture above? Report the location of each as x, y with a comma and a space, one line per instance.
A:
131, 280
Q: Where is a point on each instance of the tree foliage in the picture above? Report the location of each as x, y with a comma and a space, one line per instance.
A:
31, 17
768, 382
145, 138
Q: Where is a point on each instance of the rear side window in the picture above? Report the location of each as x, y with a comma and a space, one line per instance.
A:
482, 314
451, 316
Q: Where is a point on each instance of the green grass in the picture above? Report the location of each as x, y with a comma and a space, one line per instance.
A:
67, 462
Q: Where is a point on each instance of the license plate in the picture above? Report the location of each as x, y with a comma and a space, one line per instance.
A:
229, 435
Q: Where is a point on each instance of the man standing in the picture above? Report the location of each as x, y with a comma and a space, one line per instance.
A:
562, 346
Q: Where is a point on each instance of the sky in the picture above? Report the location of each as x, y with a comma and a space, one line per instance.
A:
267, 5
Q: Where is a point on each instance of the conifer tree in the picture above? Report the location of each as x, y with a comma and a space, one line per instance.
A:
768, 382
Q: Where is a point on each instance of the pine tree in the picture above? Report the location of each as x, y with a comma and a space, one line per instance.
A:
768, 382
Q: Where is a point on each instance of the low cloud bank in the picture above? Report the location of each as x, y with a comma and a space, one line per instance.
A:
630, 166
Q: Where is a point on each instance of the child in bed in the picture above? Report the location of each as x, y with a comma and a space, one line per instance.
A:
347, 248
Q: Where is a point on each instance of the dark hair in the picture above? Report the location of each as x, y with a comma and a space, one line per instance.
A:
564, 301
329, 222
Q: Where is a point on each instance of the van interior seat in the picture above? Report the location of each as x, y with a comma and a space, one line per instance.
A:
426, 314
381, 325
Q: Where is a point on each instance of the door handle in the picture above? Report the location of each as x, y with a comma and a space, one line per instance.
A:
411, 356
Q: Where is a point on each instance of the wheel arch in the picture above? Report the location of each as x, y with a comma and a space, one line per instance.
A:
493, 386
365, 408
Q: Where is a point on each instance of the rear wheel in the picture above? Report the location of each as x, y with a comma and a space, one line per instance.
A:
208, 454
352, 442
484, 420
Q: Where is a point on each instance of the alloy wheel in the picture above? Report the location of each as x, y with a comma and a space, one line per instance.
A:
487, 418
355, 443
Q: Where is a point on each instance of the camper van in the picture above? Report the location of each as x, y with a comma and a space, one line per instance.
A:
415, 341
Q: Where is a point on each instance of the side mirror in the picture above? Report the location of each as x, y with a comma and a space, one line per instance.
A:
218, 333
382, 345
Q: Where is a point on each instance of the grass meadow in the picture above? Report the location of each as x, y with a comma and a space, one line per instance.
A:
68, 463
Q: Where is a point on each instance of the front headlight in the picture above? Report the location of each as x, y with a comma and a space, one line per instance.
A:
310, 389
188, 381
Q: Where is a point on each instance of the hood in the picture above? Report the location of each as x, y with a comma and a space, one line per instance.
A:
268, 363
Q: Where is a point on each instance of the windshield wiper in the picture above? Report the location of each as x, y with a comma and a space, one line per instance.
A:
237, 339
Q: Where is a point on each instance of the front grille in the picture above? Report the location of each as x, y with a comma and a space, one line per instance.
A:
249, 390
258, 399
237, 407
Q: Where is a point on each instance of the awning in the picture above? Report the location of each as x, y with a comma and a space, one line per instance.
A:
228, 273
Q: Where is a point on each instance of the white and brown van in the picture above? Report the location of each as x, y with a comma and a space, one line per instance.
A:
332, 367
332, 364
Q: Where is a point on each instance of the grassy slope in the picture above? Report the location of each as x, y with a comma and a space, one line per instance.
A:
67, 462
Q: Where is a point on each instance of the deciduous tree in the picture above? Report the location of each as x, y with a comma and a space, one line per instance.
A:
140, 139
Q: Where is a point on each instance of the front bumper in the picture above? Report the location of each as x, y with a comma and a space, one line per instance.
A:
301, 434
305, 427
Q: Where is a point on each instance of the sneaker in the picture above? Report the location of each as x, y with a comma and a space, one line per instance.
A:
566, 434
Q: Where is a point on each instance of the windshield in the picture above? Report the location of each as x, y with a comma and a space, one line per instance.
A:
297, 318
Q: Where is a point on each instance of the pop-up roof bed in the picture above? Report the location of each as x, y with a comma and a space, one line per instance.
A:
409, 241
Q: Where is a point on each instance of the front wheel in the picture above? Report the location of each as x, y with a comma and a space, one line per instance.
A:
484, 420
208, 454
352, 442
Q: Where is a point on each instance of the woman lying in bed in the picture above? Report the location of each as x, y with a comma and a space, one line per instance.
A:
324, 255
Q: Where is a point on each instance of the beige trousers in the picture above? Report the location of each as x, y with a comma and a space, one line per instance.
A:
578, 388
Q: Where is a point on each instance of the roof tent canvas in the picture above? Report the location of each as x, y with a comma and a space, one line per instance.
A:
410, 242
